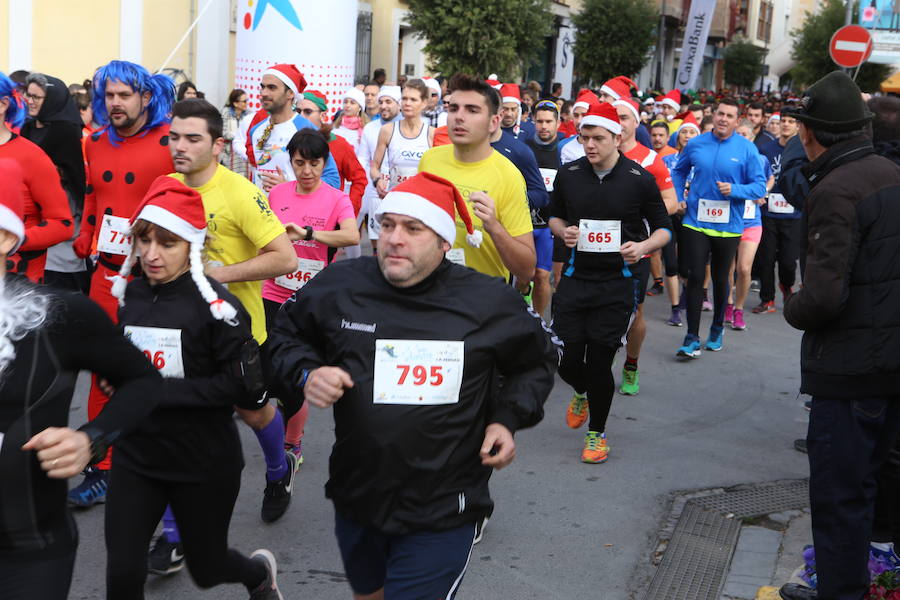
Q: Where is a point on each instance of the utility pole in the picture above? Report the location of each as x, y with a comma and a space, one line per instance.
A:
849, 16
660, 48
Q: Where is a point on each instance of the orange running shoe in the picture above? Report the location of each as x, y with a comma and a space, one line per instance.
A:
596, 450
577, 413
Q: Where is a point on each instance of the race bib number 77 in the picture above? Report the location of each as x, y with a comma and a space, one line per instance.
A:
417, 372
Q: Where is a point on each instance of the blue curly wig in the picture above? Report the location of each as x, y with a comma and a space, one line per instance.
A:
161, 88
15, 113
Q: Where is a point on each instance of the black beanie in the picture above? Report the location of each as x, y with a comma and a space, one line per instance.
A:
833, 104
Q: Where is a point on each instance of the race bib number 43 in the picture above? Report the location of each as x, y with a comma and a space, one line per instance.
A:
114, 237
306, 270
161, 346
418, 372
599, 236
778, 205
714, 211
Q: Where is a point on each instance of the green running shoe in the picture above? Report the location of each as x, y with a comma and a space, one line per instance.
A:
630, 382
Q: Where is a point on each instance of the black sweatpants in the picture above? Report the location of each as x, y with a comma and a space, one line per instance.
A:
591, 318
848, 442
780, 242
43, 578
696, 249
203, 510
887, 511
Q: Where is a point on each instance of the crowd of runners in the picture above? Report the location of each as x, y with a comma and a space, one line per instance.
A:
203, 262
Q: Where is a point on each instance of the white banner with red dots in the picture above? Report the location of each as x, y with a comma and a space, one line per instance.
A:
319, 38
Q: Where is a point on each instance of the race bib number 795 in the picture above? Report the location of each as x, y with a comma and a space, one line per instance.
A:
417, 372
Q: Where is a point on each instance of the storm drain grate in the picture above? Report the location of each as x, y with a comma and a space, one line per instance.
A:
698, 555
759, 499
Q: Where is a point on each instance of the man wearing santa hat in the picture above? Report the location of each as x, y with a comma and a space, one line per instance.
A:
419, 425
609, 213
671, 107
511, 113
264, 143
628, 112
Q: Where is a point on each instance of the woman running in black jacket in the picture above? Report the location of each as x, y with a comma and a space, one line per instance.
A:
187, 453
46, 338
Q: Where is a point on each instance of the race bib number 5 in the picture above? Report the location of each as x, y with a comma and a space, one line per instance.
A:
599, 236
306, 270
161, 346
418, 372
714, 211
114, 237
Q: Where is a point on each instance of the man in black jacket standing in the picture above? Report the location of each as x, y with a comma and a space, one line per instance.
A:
411, 366
849, 310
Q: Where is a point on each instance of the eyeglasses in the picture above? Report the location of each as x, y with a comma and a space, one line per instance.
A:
546, 104
308, 111
34, 96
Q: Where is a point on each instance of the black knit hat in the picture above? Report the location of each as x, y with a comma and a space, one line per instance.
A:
833, 104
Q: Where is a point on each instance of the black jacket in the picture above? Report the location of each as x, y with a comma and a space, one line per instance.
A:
849, 305
60, 137
191, 435
403, 468
35, 393
628, 194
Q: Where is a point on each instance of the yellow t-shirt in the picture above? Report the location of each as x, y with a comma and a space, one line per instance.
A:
503, 182
238, 222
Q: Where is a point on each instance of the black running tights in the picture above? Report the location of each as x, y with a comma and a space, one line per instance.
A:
698, 248
203, 510
588, 368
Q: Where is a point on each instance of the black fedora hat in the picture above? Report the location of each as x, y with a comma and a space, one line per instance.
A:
834, 104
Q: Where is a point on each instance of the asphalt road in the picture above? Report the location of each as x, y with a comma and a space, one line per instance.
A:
561, 529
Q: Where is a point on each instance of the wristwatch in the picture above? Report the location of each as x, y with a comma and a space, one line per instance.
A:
309, 233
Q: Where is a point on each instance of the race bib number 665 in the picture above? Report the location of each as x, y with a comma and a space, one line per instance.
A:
417, 372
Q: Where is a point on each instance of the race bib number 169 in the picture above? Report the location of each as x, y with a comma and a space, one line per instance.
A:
418, 372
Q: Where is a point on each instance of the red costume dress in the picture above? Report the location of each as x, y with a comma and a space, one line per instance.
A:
48, 218
118, 177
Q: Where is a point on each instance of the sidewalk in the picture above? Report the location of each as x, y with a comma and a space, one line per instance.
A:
769, 554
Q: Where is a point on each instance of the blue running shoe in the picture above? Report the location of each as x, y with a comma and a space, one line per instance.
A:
691, 347
888, 558
92, 490
714, 341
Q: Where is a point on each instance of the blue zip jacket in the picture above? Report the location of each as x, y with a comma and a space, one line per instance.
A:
519, 154
733, 160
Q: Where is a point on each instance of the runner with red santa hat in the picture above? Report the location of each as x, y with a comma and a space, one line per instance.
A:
609, 213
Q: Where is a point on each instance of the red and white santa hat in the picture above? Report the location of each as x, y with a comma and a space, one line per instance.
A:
290, 76
689, 121
434, 201
12, 207
585, 99
493, 81
618, 87
774, 117
673, 99
177, 208
631, 105
509, 92
602, 115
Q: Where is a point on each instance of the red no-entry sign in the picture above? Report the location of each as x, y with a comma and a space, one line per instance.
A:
850, 46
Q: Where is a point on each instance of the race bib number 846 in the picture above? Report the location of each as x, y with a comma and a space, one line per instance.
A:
418, 372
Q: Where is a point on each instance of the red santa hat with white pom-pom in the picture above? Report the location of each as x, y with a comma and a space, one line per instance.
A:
177, 208
434, 201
